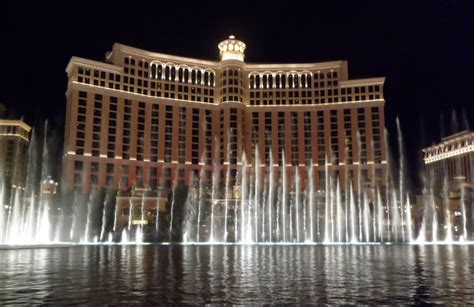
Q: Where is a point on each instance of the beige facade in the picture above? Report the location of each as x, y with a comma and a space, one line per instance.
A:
451, 160
146, 119
14, 140
450, 174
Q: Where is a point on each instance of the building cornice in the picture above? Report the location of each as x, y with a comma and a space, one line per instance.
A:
91, 64
362, 82
14, 122
215, 64
160, 56
453, 145
294, 66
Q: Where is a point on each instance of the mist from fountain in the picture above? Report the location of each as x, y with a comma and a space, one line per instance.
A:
264, 204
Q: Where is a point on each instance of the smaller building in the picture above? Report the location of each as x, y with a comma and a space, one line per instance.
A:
450, 176
14, 141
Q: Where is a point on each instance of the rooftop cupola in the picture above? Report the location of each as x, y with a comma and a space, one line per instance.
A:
231, 49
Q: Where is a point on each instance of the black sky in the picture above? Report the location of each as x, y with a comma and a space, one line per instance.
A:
424, 49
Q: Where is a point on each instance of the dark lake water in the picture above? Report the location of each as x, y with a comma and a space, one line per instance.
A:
238, 274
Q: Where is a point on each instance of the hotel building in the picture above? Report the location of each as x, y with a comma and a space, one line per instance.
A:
14, 140
450, 173
145, 119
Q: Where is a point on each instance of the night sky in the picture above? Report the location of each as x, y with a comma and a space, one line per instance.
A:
424, 49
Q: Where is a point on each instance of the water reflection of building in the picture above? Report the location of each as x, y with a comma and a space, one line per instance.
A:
450, 174
14, 140
145, 119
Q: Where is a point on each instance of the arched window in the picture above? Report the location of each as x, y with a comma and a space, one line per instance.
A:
180, 74
270, 81
283, 81
193, 76
173, 73
167, 72
211, 79
257, 81
290, 80
206, 78
199, 77
265, 79
308, 80
296, 81
252, 81
153, 71
278, 81
186, 75
159, 72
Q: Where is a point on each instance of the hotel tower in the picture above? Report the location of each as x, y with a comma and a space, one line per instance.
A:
145, 119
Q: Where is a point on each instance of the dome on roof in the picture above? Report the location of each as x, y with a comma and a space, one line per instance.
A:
231, 49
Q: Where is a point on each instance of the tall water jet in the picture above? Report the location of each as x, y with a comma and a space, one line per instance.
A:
130, 218
244, 201
297, 203
454, 122
339, 213
102, 236
250, 207
310, 189
464, 213
190, 210
366, 216
284, 197
236, 208
29, 226
380, 216
408, 220
257, 191
173, 199
43, 236
449, 231
202, 174
227, 189
86, 237
434, 227
157, 216
465, 120
447, 218
278, 214
14, 219
354, 237
214, 198
43, 223
2, 214
328, 200
263, 209
401, 178
395, 219
139, 232
271, 191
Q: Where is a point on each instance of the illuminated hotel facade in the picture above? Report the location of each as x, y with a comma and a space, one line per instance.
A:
146, 119
452, 159
450, 173
14, 141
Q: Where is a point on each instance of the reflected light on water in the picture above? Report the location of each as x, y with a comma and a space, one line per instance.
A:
239, 274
